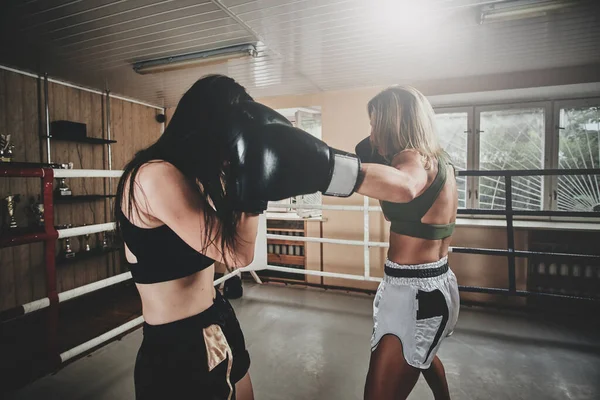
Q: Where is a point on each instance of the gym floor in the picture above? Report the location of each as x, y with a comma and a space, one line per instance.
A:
314, 344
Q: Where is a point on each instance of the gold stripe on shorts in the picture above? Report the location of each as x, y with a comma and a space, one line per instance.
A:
217, 350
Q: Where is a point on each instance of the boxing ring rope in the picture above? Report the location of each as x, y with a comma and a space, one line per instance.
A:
87, 173
89, 288
511, 253
260, 262
90, 344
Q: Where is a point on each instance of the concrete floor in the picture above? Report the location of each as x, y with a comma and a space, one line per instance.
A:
313, 344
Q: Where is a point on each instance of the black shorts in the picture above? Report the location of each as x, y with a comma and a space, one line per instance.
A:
180, 360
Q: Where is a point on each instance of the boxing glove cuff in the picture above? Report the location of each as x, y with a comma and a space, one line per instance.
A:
345, 175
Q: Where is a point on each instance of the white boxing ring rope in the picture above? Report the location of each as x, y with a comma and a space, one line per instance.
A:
85, 230
326, 207
90, 344
92, 287
326, 240
87, 173
36, 305
259, 263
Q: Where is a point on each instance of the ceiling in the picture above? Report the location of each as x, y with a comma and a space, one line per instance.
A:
305, 46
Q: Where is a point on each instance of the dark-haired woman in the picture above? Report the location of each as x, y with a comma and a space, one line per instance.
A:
192, 198
176, 221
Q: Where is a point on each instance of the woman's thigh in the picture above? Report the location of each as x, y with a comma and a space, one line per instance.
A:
243, 388
389, 376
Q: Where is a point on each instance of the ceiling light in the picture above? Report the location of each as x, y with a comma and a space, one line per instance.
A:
522, 9
195, 59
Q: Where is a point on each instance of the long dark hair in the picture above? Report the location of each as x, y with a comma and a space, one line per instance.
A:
194, 143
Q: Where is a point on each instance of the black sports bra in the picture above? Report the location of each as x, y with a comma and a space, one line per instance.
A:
161, 254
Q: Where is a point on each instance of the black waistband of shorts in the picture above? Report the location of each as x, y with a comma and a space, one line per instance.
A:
189, 326
417, 272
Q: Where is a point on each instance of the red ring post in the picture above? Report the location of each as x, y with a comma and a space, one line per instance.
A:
50, 253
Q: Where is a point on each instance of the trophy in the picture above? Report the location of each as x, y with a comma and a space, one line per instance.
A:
37, 211
105, 245
86, 241
10, 207
6, 149
68, 250
63, 189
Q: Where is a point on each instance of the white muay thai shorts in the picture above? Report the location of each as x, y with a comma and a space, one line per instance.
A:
419, 304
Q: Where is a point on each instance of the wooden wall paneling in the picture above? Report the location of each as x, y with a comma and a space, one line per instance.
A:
22, 114
15, 127
152, 132
38, 270
128, 134
70, 114
116, 126
61, 154
118, 163
85, 269
96, 185
110, 186
43, 126
77, 154
135, 129
95, 209
117, 133
31, 131
101, 157
143, 132
7, 276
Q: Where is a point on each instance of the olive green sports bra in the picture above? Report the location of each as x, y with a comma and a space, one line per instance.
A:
406, 217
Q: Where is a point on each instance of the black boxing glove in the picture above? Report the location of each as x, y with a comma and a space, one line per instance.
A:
246, 119
368, 154
272, 160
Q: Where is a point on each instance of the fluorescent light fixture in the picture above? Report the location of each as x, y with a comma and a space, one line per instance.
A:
521, 9
192, 60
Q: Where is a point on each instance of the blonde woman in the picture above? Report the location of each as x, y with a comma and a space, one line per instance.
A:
417, 303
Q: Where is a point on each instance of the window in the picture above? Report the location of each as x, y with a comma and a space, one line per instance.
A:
509, 139
452, 128
309, 120
578, 147
521, 136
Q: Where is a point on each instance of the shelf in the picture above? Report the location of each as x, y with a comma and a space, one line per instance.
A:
88, 140
287, 242
18, 236
84, 255
285, 230
81, 199
285, 259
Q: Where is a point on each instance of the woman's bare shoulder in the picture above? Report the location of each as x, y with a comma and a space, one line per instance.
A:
408, 157
155, 176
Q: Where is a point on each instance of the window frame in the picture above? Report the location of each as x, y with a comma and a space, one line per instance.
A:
555, 137
552, 109
469, 203
547, 148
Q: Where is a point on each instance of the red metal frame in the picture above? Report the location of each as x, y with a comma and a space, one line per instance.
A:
10, 171
48, 235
